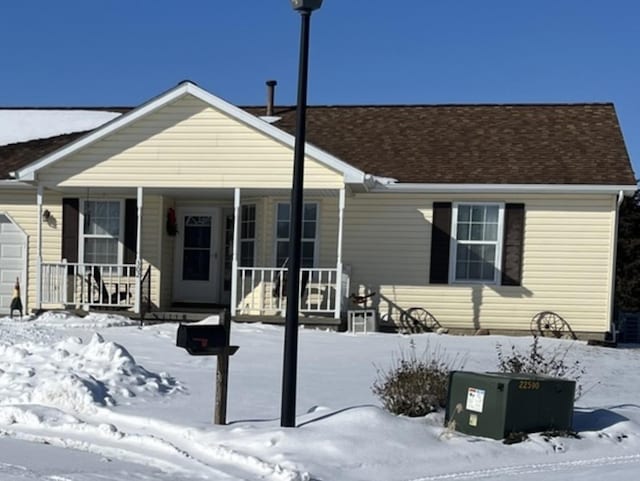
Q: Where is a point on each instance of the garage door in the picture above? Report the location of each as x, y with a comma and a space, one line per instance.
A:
13, 261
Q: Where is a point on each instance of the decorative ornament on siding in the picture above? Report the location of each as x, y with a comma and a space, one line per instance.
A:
172, 225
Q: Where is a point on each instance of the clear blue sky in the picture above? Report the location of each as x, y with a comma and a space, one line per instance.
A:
121, 52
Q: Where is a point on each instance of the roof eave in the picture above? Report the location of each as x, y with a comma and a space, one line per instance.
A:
627, 190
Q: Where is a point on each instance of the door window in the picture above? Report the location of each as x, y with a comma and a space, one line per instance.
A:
197, 248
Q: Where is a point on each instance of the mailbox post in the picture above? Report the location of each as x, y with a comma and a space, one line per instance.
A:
206, 339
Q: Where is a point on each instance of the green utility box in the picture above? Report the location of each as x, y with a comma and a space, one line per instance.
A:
497, 404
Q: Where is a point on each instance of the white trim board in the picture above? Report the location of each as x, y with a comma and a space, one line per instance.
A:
627, 190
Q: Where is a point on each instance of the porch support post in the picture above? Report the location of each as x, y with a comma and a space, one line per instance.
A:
234, 260
139, 203
39, 198
339, 255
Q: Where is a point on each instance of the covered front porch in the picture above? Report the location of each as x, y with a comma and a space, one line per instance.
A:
147, 250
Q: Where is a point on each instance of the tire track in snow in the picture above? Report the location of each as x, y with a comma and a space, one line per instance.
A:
190, 440
524, 469
145, 441
168, 460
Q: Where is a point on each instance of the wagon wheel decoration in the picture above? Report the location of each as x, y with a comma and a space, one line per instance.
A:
550, 324
418, 319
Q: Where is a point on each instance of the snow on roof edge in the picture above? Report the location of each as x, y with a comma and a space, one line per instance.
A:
23, 125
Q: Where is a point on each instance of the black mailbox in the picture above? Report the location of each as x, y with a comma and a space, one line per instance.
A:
205, 340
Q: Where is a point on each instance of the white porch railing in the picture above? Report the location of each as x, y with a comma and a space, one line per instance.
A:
263, 290
79, 284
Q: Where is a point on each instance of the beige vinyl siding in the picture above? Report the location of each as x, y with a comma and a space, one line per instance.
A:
567, 264
186, 144
168, 246
328, 232
151, 245
21, 206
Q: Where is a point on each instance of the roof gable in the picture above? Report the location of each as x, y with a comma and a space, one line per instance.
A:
351, 174
185, 144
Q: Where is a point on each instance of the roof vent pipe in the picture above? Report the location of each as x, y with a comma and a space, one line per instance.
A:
271, 91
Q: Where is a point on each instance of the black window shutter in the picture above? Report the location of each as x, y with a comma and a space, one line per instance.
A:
70, 228
440, 243
130, 230
513, 245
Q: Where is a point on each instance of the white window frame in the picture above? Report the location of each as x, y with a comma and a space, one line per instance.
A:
453, 250
277, 239
82, 236
248, 239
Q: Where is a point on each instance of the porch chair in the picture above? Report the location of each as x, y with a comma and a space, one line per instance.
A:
103, 293
280, 282
113, 299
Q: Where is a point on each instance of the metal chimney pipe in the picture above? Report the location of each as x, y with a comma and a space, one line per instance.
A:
271, 90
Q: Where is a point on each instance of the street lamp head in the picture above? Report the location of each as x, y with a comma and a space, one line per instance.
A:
306, 5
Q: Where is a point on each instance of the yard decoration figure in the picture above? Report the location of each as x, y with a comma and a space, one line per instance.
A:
16, 302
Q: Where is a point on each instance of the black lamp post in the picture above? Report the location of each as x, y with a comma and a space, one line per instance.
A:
290, 363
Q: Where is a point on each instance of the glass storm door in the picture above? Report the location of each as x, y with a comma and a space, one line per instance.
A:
197, 261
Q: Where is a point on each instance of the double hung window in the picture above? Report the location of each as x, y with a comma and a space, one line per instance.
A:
476, 242
309, 233
248, 235
102, 231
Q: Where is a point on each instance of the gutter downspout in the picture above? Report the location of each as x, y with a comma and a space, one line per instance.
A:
612, 325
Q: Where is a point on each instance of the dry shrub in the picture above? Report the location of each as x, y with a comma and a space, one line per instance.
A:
550, 362
416, 385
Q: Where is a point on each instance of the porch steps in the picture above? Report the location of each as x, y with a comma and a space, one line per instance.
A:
195, 315
154, 317
175, 316
317, 322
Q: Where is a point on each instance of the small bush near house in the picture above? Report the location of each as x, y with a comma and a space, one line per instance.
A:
536, 360
416, 385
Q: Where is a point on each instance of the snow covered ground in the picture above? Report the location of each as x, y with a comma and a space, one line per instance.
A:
96, 399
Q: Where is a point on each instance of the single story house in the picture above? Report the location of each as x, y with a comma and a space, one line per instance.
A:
482, 215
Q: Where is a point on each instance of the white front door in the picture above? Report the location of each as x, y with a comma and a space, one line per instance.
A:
197, 259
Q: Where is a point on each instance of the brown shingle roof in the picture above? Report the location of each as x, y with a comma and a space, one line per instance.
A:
15, 156
494, 144
505, 144
21, 154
